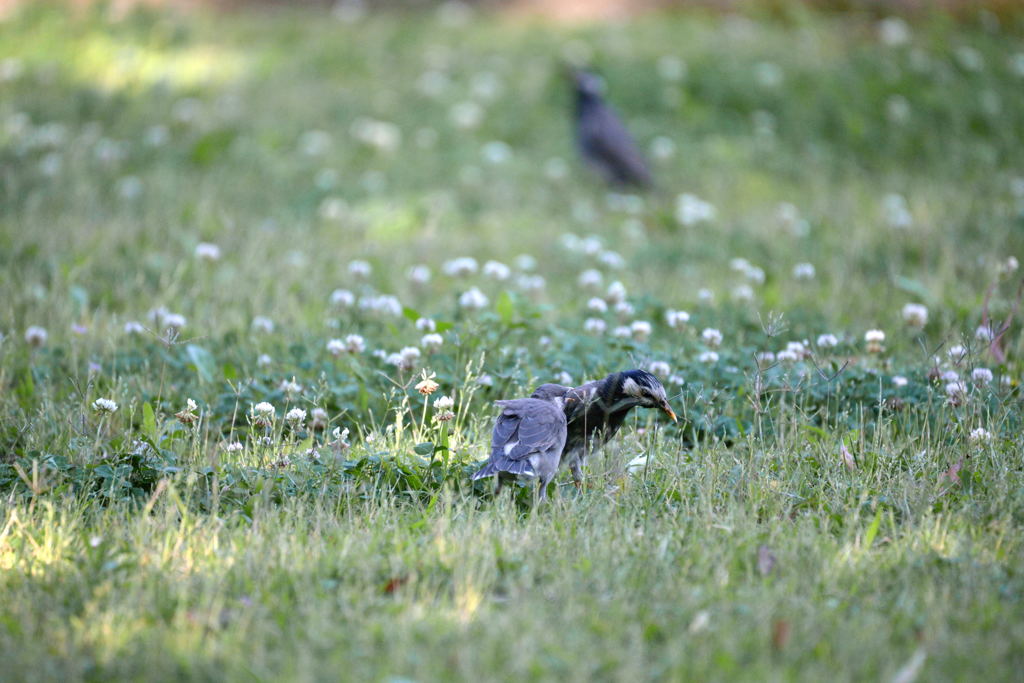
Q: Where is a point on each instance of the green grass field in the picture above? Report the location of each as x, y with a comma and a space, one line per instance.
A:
182, 199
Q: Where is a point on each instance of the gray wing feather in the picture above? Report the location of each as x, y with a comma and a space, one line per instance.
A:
606, 138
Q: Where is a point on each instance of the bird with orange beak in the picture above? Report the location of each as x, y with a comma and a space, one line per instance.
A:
601, 409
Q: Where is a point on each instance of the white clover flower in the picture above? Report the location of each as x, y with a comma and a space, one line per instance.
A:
915, 315
899, 381
133, 327
984, 333
234, 447
590, 279
980, 435
525, 262
787, 356
677, 320
827, 341
460, 267
466, 115
624, 309
174, 321
564, 378
591, 245
206, 251
622, 331
262, 324
359, 268
691, 210
354, 343
473, 299
264, 360
743, 293
570, 241
981, 375
957, 353
342, 298
444, 403
755, 275
763, 358
711, 337
949, 376
705, 295
290, 386
611, 259
804, 271
497, 270
295, 416
381, 135
799, 349
616, 292
419, 274
897, 213
485, 380
893, 31
381, 303
36, 336
678, 380
873, 339
104, 405
432, 341
264, 409
969, 58
544, 342
660, 369
662, 148
425, 325
956, 391
597, 305
496, 152
595, 326
531, 283
708, 357
335, 347
640, 329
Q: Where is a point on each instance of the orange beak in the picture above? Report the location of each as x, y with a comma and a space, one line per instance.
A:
668, 411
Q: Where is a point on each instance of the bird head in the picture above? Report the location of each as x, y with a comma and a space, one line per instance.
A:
588, 84
645, 389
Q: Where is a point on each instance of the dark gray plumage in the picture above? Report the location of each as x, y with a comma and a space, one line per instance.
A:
599, 410
528, 439
602, 139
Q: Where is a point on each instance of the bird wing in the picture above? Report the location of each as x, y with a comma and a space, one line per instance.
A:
539, 426
603, 135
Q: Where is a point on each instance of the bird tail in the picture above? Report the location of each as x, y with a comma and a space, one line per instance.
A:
507, 466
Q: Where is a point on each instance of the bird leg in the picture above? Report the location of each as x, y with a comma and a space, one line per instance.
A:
577, 475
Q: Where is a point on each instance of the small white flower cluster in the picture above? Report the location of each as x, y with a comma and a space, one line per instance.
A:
263, 414
804, 271
874, 340
290, 386
497, 271
359, 268
748, 270
380, 135
406, 359
165, 320
343, 298
134, 327
425, 325
419, 274
677, 320
794, 351
660, 369
432, 342
104, 405
980, 435
443, 408
36, 336
595, 326
590, 279
463, 266
385, 304
640, 330
262, 324
827, 341
206, 251
712, 337
915, 315
473, 299
691, 210
709, 357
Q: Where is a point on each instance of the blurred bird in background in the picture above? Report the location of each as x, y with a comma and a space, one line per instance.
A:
599, 409
602, 139
528, 439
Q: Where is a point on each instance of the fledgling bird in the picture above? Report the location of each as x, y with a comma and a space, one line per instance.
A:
600, 408
602, 138
528, 439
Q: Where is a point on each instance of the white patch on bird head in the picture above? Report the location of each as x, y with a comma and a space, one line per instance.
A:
649, 396
632, 388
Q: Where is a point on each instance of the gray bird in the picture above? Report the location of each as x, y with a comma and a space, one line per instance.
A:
528, 439
600, 408
603, 141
